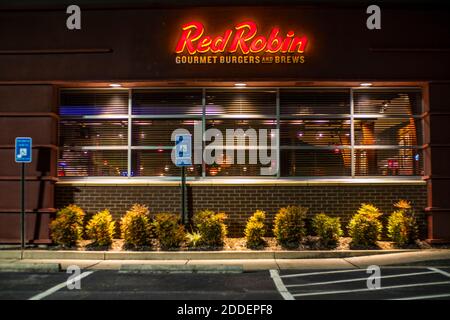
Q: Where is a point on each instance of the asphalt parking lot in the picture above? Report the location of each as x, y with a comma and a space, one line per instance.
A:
395, 283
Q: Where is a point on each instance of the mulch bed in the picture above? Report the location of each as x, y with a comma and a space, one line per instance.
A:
239, 244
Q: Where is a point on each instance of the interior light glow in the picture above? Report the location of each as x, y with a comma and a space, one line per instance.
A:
365, 84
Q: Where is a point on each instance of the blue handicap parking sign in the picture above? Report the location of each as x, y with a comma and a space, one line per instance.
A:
23, 149
183, 146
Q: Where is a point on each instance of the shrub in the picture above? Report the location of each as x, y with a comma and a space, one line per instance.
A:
67, 228
289, 226
135, 226
365, 227
168, 230
101, 228
327, 228
193, 240
211, 226
402, 225
255, 230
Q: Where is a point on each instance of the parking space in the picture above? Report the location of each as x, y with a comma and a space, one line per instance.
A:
23, 285
114, 285
352, 284
348, 284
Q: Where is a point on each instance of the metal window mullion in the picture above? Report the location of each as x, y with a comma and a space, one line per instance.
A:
352, 135
203, 129
129, 133
278, 133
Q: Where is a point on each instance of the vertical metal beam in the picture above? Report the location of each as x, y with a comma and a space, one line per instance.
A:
352, 133
278, 135
203, 129
129, 133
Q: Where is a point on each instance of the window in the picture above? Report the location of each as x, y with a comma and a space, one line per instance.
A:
388, 133
93, 133
323, 132
315, 132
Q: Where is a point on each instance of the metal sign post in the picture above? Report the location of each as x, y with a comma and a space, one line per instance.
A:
183, 158
23, 152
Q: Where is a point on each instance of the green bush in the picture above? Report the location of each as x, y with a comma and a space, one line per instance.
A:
67, 228
135, 226
255, 230
211, 226
193, 239
402, 226
101, 228
327, 228
365, 227
168, 230
289, 226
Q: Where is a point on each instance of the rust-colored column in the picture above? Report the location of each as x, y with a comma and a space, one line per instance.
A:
437, 155
28, 111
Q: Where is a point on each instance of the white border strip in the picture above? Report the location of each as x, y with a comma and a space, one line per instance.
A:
425, 297
58, 287
358, 279
275, 275
322, 272
363, 290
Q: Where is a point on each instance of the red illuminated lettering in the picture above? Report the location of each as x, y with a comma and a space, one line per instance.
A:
243, 38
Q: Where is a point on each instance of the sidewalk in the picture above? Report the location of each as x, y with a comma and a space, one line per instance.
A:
33, 260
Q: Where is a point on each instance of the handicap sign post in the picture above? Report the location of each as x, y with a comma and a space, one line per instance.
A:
23, 154
183, 159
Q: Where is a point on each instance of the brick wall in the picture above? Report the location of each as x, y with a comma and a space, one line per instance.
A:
239, 202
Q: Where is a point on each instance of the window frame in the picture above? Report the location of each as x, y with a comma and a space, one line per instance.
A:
278, 117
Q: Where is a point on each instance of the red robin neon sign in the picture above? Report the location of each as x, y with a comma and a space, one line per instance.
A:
244, 39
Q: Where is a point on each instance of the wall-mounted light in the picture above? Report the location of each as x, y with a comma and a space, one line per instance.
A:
115, 85
240, 85
365, 84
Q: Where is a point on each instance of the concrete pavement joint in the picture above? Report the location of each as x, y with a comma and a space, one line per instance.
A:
349, 262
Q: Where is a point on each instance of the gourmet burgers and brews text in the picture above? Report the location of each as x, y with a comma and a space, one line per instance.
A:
242, 44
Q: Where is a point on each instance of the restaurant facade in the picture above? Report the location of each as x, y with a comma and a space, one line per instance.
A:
353, 114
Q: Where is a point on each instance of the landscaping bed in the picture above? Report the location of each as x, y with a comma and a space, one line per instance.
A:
140, 230
239, 244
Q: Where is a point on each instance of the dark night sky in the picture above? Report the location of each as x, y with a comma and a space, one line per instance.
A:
36, 4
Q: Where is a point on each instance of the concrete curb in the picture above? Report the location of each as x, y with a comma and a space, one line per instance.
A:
195, 255
192, 268
30, 267
402, 259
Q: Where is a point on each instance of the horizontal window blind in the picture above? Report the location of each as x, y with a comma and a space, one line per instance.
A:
294, 102
93, 102
388, 102
158, 163
388, 131
93, 133
128, 132
241, 102
388, 162
79, 163
158, 132
311, 163
320, 132
167, 102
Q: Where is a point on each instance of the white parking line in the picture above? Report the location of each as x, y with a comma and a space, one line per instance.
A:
58, 287
280, 286
425, 297
358, 279
322, 272
362, 290
440, 271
